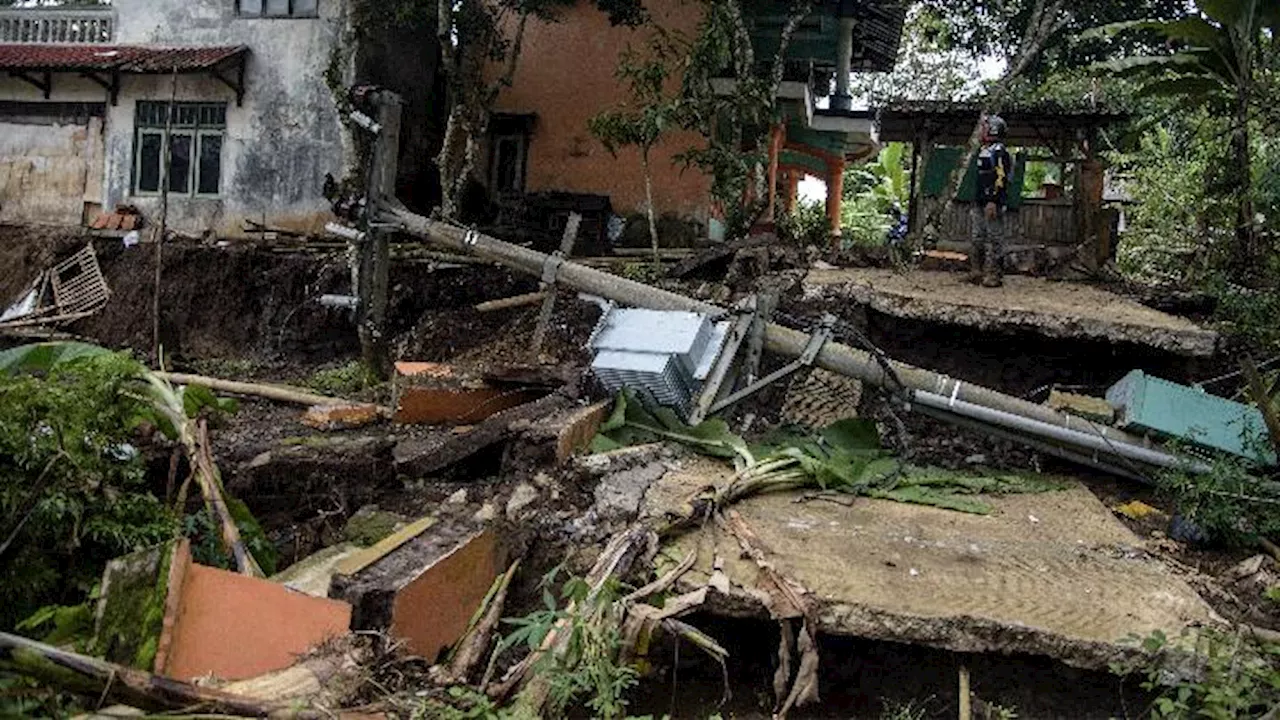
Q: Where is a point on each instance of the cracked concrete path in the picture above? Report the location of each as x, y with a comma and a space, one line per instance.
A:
1051, 308
1051, 574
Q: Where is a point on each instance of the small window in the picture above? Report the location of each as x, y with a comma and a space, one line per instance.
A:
507, 171
278, 8
194, 143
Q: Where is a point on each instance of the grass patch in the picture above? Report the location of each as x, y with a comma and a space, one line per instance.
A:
346, 379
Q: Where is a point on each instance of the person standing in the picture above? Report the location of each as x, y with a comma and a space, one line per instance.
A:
991, 201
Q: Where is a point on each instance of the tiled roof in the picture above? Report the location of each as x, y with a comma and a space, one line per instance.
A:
125, 58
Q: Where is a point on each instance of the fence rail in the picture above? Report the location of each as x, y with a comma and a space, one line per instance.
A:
80, 26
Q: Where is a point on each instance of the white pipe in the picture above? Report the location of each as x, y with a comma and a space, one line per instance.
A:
1078, 438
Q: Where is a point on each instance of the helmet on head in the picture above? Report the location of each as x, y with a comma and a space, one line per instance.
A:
996, 126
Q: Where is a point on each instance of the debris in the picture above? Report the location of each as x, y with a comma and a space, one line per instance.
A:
551, 440
471, 648
619, 494
311, 575
110, 682
512, 302
279, 393
486, 513
433, 394
1091, 408
323, 679
340, 417
162, 612
419, 457
385, 546
523, 496
424, 589
1136, 510
819, 398
457, 498
550, 272
73, 289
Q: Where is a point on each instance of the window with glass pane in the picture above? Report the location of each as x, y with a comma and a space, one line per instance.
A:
278, 8
209, 177
150, 149
195, 139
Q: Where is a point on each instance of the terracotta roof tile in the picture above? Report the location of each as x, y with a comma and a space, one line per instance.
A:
125, 58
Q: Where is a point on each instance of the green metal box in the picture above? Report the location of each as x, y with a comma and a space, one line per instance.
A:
1151, 404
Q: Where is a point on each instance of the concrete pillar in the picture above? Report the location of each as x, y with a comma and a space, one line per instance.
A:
835, 194
844, 62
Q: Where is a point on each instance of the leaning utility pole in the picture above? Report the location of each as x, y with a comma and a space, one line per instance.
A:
938, 395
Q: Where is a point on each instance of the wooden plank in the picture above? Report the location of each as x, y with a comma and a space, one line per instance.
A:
372, 554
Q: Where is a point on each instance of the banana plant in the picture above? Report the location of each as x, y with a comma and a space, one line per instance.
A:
1216, 64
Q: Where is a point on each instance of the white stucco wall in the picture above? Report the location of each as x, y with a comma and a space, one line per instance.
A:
278, 145
45, 170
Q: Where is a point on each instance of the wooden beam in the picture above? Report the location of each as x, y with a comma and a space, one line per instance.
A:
111, 85
45, 86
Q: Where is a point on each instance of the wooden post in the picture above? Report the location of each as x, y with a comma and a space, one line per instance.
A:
549, 272
835, 196
913, 195
1093, 240
966, 699
775, 149
375, 252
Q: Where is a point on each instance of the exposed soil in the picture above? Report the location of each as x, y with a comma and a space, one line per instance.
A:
254, 304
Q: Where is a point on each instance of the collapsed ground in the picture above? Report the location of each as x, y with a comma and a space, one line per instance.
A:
251, 313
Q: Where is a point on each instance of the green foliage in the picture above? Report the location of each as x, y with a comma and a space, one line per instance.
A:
909, 710
73, 490
871, 192
805, 224
845, 457
346, 379
1234, 676
1231, 504
588, 671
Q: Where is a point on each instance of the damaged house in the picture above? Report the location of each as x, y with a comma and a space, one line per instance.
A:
84, 127
540, 149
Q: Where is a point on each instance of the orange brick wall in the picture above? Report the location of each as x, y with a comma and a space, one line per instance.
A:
566, 75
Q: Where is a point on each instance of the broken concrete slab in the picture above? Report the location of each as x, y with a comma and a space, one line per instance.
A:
1053, 309
425, 590
435, 394
1052, 574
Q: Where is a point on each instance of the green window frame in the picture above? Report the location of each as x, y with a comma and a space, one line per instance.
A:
194, 140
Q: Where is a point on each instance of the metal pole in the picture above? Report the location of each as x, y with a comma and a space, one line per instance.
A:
784, 341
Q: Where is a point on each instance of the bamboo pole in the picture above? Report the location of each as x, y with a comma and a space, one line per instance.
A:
108, 681
514, 301
279, 393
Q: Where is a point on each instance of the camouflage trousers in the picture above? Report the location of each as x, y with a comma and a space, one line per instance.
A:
988, 238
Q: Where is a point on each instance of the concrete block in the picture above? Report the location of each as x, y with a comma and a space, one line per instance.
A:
425, 590
436, 394
340, 417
